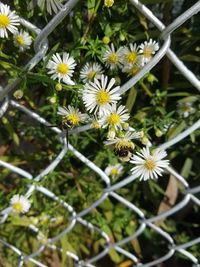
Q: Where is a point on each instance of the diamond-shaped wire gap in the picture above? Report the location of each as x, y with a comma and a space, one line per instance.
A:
174, 59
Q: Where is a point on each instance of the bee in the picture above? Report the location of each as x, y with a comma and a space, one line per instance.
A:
124, 152
66, 123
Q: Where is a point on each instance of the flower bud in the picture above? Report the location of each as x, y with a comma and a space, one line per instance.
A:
53, 99
18, 94
111, 133
58, 87
145, 141
108, 3
125, 125
158, 133
106, 40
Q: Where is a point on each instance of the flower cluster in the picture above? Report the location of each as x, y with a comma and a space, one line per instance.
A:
100, 96
9, 22
130, 59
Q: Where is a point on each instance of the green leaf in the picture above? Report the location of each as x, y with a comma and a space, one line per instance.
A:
114, 255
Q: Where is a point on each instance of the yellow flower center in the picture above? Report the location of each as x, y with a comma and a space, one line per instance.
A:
4, 21
114, 172
186, 108
113, 119
63, 68
150, 164
134, 70
147, 52
131, 57
20, 40
113, 58
91, 75
102, 97
74, 118
17, 207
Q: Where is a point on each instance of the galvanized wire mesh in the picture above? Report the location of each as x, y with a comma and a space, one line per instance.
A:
41, 47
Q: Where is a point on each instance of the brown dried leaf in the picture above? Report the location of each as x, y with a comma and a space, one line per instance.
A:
169, 199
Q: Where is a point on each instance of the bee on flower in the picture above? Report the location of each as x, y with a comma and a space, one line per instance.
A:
97, 96
149, 165
61, 68
147, 50
71, 116
90, 71
114, 170
8, 21
113, 58
20, 204
123, 146
22, 40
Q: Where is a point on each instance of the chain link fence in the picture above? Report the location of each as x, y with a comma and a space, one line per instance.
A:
41, 47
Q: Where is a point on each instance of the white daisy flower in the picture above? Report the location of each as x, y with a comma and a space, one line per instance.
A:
50, 5
130, 54
61, 68
149, 165
112, 58
115, 117
114, 170
185, 109
91, 71
20, 204
123, 146
72, 115
22, 40
148, 49
99, 95
8, 20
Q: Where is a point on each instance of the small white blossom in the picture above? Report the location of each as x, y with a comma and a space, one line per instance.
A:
130, 55
147, 50
61, 68
99, 95
185, 109
111, 58
149, 165
72, 114
22, 40
20, 204
114, 170
8, 21
115, 117
91, 71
